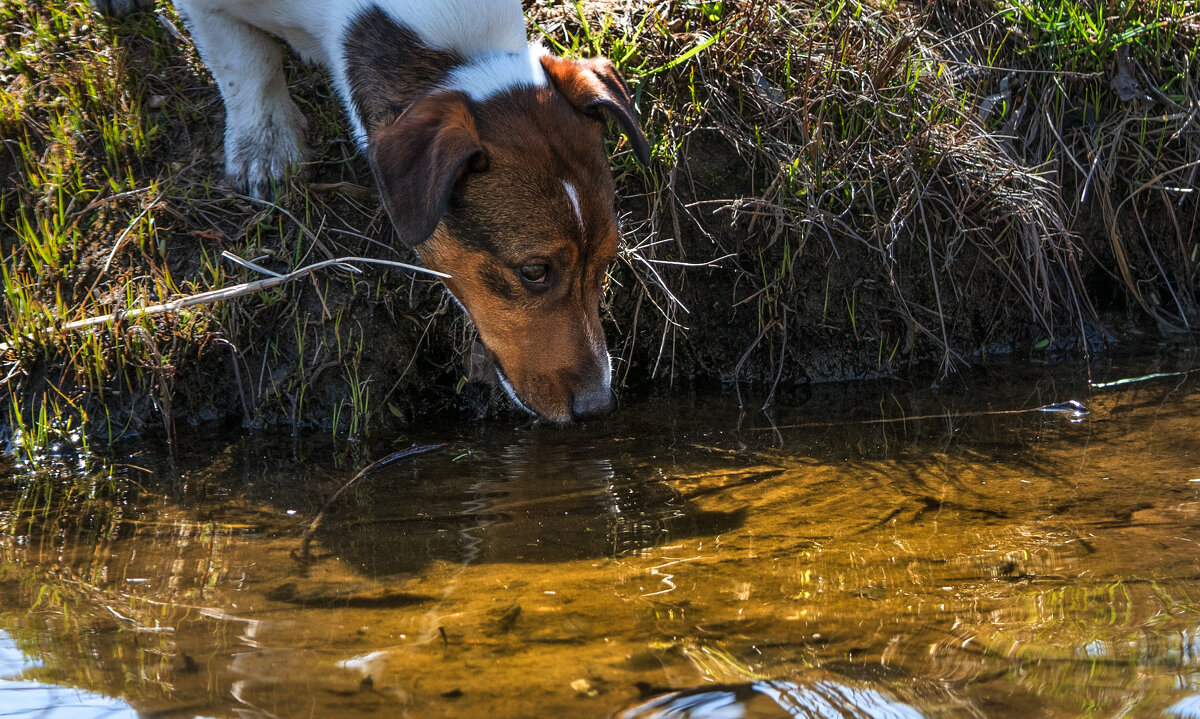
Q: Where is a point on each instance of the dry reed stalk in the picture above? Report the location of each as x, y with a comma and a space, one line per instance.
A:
228, 293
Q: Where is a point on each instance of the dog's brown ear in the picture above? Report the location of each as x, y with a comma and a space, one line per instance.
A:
419, 158
595, 88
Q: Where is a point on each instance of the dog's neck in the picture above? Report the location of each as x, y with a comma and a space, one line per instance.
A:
388, 66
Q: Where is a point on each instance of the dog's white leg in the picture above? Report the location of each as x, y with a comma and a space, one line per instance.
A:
264, 130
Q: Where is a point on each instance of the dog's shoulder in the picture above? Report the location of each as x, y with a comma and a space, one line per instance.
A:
465, 27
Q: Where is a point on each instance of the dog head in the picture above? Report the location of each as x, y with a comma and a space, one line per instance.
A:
513, 198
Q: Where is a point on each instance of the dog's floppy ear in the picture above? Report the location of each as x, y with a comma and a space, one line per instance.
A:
419, 158
594, 87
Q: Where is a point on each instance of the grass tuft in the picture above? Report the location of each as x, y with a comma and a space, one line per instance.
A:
839, 189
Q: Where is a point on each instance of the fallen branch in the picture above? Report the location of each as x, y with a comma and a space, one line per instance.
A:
303, 554
227, 293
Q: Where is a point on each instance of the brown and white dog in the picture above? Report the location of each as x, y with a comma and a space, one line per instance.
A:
488, 153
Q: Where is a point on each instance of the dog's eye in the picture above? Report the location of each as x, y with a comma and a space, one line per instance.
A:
534, 273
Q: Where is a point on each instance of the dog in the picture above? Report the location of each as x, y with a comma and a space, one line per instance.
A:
488, 153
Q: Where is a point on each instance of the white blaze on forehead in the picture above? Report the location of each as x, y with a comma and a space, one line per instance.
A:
573, 196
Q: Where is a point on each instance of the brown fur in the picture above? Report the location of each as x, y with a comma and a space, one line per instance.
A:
419, 158
516, 213
594, 87
388, 67
477, 189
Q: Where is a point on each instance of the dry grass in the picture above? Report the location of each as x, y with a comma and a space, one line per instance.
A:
839, 190
902, 183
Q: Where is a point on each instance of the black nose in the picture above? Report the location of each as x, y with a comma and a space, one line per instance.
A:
591, 403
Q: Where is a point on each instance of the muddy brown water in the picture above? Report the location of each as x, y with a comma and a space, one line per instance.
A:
871, 552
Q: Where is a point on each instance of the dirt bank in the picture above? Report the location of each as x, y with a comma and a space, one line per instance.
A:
858, 188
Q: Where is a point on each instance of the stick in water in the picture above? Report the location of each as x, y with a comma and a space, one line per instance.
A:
304, 555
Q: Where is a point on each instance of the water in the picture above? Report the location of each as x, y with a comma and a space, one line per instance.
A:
876, 552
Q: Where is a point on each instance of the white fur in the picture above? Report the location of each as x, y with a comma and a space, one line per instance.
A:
600, 349
470, 28
492, 74
573, 196
264, 129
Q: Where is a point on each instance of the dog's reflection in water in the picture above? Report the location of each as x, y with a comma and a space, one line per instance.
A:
529, 502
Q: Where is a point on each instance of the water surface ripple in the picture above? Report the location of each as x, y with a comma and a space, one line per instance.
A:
858, 553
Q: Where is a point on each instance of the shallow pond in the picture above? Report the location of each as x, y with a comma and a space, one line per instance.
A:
976, 551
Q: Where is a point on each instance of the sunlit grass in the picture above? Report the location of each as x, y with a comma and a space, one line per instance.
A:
866, 172
1086, 36
83, 219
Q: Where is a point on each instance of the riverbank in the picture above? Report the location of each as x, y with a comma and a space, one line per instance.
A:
838, 192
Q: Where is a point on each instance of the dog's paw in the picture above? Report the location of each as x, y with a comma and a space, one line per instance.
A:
117, 8
259, 155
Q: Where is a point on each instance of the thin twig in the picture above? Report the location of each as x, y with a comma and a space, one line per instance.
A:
309, 234
303, 553
226, 293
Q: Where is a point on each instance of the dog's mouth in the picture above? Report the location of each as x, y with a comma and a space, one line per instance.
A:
482, 366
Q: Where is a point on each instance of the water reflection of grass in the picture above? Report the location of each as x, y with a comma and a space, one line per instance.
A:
1124, 621
88, 619
933, 570
69, 627
1092, 646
